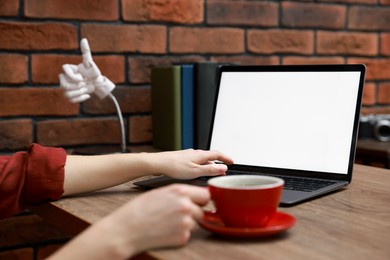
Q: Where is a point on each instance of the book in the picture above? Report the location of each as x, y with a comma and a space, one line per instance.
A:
187, 106
166, 107
205, 90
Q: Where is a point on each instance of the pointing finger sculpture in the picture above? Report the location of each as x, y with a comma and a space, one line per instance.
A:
80, 81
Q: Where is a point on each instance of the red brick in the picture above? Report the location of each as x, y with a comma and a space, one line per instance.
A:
27, 230
384, 2
9, 7
130, 99
369, 18
140, 129
78, 131
112, 66
46, 67
22, 253
242, 13
369, 94
247, 60
125, 38
374, 2
291, 60
37, 36
348, 43
385, 44
15, 134
35, 101
384, 93
280, 41
377, 69
313, 15
206, 40
375, 110
140, 67
13, 68
175, 11
104, 10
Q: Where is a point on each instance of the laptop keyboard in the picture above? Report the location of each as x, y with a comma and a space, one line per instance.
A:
304, 184
291, 183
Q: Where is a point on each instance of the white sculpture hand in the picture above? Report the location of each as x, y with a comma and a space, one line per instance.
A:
79, 81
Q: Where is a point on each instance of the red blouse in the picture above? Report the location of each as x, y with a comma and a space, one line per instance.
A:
31, 177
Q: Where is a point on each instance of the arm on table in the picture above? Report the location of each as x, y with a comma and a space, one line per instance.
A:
158, 218
88, 173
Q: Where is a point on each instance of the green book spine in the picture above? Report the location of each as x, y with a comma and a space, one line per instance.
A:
206, 73
166, 107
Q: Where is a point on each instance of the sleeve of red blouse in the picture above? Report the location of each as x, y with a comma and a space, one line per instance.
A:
31, 177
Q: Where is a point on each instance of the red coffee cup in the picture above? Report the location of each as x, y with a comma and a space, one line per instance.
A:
245, 200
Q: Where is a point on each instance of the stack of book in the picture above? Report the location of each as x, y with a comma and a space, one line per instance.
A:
182, 105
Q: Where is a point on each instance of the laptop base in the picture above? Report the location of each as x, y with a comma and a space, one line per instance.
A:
289, 197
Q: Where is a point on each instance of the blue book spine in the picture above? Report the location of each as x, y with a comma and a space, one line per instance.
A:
187, 106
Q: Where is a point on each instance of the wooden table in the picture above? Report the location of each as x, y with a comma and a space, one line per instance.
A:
350, 224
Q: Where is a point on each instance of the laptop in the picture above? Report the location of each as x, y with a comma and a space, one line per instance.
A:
296, 122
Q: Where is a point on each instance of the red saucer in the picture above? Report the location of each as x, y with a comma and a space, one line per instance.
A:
280, 222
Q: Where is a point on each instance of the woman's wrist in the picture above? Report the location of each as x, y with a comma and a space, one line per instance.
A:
150, 163
100, 241
121, 245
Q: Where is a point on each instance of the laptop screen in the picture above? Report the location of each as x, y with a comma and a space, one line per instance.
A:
300, 120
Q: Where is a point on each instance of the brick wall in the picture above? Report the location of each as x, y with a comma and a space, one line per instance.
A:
128, 37
29, 237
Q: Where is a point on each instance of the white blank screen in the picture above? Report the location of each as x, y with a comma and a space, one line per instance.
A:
289, 120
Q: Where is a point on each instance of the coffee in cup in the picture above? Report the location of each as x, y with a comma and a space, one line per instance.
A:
245, 201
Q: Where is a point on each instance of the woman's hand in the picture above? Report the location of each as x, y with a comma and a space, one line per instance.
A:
162, 217
189, 164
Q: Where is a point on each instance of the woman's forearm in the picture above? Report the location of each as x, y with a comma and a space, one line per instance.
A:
91, 244
89, 173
